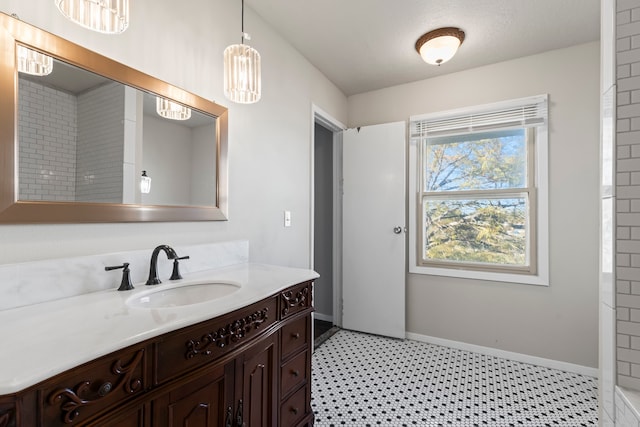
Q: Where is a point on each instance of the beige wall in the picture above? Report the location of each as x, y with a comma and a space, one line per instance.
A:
270, 149
558, 322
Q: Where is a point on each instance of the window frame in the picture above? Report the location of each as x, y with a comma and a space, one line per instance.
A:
537, 273
529, 189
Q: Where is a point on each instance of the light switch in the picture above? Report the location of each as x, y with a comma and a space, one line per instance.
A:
287, 218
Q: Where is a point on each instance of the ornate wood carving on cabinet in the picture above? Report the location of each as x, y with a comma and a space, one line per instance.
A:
72, 399
295, 300
231, 333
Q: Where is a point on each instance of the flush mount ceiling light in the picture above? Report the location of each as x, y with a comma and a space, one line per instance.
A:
438, 46
104, 16
33, 62
242, 76
172, 110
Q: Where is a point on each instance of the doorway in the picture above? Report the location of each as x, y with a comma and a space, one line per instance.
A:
357, 243
326, 224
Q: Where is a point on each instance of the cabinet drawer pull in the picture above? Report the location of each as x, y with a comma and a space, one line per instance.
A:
295, 373
239, 421
295, 336
229, 422
294, 411
105, 389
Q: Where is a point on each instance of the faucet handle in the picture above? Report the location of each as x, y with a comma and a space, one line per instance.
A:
125, 283
175, 275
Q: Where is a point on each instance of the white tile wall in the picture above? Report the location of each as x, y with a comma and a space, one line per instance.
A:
71, 148
627, 193
100, 152
47, 148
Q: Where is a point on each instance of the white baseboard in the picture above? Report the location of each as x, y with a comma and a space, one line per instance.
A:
325, 317
518, 357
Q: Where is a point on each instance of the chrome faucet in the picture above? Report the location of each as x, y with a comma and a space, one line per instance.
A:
153, 269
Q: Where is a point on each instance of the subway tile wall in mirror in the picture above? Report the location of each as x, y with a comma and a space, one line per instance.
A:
85, 138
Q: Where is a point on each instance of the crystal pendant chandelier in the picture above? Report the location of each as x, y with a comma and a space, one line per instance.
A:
104, 16
33, 62
242, 77
172, 110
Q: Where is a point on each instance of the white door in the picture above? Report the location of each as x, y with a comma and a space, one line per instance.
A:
373, 280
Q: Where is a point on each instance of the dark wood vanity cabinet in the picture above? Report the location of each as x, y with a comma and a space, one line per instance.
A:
295, 357
247, 368
201, 401
7, 414
130, 417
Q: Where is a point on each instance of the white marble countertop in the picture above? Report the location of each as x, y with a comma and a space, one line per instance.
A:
42, 340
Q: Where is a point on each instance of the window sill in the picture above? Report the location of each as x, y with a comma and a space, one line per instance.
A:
538, 280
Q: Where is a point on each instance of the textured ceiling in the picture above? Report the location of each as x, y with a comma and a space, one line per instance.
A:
363, 45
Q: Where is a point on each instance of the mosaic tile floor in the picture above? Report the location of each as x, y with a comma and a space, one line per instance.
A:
366, 380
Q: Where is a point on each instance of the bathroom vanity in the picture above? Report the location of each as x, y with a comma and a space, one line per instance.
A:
229, 345
242, 360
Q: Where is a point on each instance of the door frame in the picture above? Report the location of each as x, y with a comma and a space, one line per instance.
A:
321, 117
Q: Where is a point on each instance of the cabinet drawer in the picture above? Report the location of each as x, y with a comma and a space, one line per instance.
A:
295, 336
76, 396
293, 373
295, 407
197, 345
295, 300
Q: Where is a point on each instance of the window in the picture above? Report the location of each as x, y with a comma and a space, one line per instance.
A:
479, 180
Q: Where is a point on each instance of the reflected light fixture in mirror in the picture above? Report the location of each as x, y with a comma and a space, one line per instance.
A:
145, 183
103, 16
33, 62
172, 110
438, 46
242, 74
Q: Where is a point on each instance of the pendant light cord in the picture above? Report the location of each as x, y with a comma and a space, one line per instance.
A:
242, 23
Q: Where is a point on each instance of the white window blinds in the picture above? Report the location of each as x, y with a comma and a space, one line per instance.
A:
523, 112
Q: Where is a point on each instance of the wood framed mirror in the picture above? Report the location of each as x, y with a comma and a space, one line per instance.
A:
74, 143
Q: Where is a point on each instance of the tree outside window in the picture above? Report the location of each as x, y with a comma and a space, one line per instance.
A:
477, 198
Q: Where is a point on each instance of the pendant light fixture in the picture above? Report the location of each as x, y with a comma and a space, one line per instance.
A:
145, 183
172, 110
242, 76
103, 16
438, 46
33, 62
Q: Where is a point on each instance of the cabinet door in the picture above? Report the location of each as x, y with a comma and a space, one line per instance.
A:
204, 402
257, 373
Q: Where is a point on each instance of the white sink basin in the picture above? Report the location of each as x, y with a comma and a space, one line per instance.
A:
183, 295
